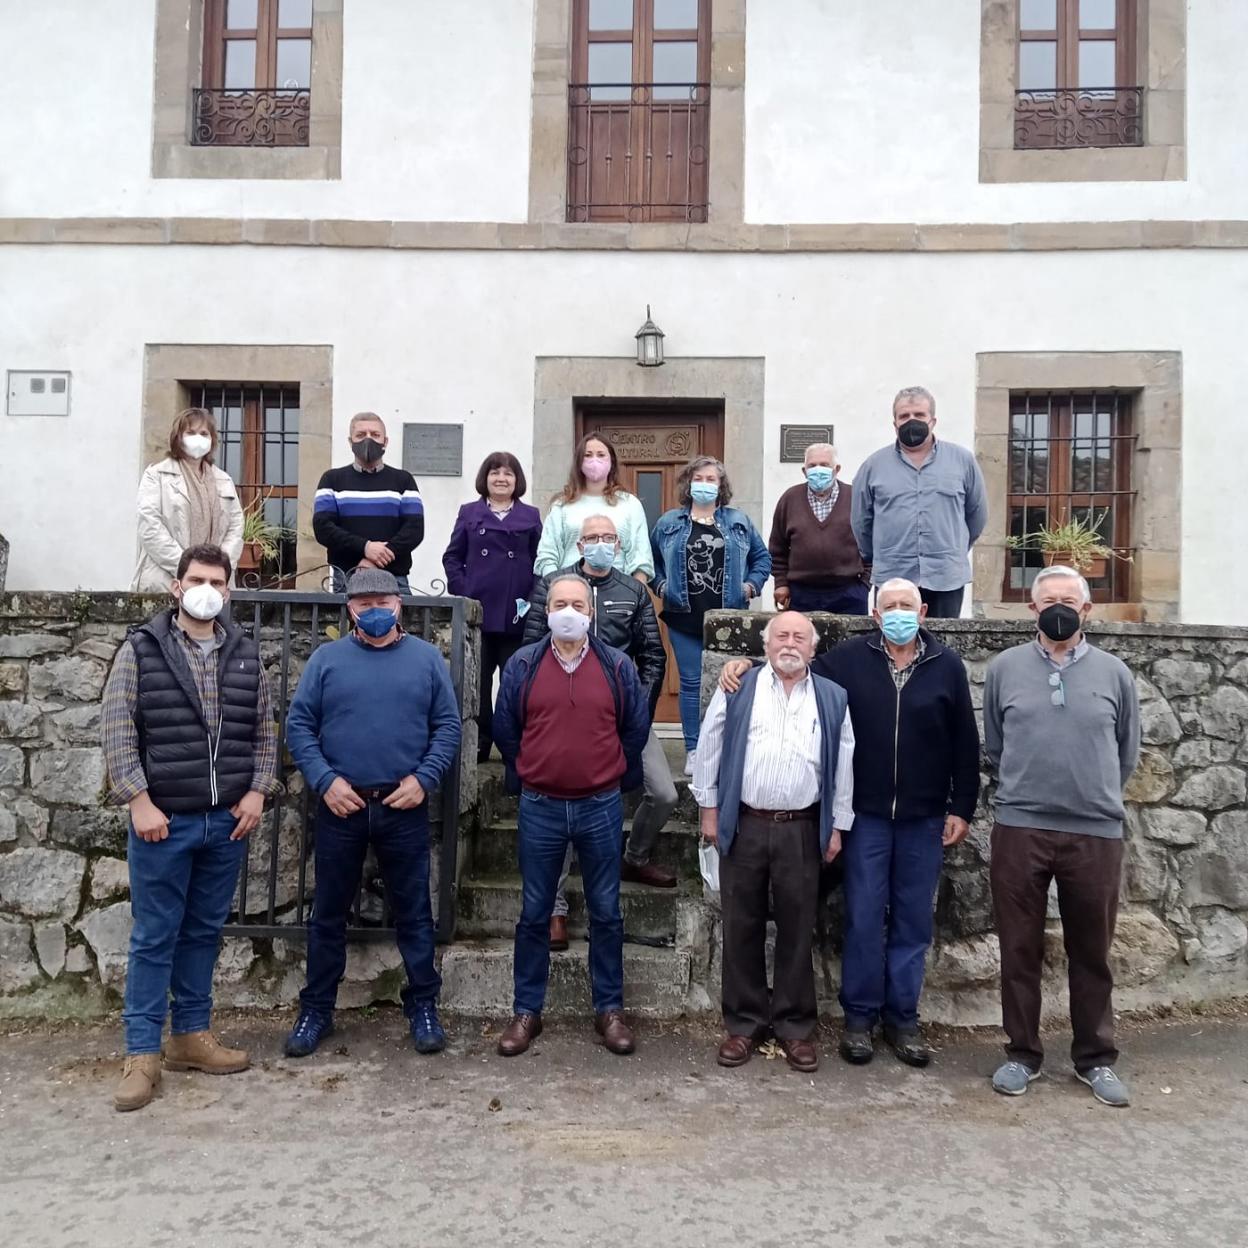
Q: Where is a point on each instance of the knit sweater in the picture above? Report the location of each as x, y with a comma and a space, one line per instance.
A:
807, 551
557, 549
354, 507
1061, 767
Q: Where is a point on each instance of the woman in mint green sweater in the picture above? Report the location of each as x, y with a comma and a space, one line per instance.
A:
593, 488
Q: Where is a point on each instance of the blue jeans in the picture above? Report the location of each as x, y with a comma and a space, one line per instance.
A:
892, 867
400, 839
847, 600
687, 650
340, 581
180, 894
595, 826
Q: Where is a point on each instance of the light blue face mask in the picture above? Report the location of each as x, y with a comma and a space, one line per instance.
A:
704, 492
900, 626
820, 478
599, 555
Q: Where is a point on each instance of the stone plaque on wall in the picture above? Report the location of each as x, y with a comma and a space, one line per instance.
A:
660, 445
794, 439
433, 450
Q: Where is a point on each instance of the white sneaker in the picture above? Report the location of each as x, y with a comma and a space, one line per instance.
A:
690, 759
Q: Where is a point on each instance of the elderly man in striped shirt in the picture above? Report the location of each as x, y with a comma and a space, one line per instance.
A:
775, 780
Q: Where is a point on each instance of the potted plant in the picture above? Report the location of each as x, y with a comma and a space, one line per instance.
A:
1074, 543
261, 539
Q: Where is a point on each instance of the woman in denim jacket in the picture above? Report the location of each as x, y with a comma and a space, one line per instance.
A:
707, 555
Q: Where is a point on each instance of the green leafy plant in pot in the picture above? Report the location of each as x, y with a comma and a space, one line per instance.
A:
1074, 544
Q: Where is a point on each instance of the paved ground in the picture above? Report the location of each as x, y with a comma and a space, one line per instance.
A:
369, 1144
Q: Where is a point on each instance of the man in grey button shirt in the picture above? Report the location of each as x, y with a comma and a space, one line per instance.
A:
919, 506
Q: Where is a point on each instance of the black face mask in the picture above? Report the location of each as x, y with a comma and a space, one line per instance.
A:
913, 433
368, 450
1059, 622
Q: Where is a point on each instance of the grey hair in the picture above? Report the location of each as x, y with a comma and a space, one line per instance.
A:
684, 482
365, 416
594, 519
900, 582
1059, 569
569, 576
820, 446
814, 632
912, 393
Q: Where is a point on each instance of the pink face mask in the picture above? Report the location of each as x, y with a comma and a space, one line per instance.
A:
596, 469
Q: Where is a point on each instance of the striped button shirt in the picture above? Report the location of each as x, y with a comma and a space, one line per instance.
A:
126, 779
783, 752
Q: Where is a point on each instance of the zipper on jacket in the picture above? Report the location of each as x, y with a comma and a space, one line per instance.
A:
212, 759
896, 738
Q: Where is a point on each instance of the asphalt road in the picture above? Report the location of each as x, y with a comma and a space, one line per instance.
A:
367, 1143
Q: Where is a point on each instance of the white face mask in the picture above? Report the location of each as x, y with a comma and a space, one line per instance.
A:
568, 624
196, 445
202, 602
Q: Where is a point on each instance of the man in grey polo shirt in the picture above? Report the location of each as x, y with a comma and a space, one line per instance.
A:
919, 506
1062, 732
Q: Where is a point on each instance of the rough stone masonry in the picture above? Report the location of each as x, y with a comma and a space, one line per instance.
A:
64, 913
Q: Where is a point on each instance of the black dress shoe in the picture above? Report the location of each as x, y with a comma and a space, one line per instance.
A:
908, 1045
856, 1047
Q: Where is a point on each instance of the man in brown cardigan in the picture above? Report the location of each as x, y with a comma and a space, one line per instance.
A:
814, 554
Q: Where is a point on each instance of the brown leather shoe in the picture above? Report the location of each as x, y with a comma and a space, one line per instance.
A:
558, 933
801, 1054
617, 1035
648, 874
735, 1050
201, 1050
140, 1077
519, 1034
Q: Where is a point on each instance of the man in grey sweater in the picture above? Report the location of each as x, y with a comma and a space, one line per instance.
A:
1062, 733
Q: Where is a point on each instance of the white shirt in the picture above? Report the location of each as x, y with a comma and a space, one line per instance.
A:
783, 752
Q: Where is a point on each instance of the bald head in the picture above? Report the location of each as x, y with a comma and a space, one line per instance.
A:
789, 641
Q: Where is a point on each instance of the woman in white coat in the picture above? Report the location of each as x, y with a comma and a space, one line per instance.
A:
185, 501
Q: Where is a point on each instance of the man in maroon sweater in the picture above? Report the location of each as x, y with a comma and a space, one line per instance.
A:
814, 554
571, 722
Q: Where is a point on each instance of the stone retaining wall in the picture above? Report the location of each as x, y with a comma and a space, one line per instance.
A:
64, 908
1183, 923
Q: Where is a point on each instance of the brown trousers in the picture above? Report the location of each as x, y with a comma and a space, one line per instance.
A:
782, 857
1088, 871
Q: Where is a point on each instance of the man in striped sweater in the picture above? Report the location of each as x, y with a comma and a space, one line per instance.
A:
368, 513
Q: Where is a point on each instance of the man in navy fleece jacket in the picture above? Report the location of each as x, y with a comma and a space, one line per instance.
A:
373, 727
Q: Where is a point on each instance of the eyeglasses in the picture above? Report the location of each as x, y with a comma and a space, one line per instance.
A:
1058, 696
607, 539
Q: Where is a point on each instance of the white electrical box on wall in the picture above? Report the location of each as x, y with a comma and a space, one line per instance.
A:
40, 393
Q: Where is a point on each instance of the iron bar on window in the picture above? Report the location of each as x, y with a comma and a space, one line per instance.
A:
1064, 117
227, 117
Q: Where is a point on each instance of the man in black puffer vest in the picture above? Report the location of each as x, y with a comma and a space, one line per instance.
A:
191, 749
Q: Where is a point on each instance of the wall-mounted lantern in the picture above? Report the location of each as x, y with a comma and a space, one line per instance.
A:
649, 343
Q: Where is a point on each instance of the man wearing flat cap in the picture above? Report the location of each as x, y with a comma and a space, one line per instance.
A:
373, 727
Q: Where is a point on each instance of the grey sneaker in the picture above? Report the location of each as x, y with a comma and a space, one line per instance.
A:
1012, 1078
1106, 1086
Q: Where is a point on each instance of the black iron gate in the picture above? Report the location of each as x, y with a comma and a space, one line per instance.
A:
274, 897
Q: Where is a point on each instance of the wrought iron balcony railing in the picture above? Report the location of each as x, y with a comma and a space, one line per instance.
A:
1079, 117
269, 118
637, 151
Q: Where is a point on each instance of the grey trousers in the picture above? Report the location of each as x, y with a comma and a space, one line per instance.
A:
658, 800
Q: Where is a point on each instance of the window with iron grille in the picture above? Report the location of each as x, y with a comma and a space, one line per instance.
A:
1070, 458
638, 110
258, 429
1078, 75
256, 89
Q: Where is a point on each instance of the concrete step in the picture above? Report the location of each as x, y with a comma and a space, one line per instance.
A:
495, 849
477, 980
490, 905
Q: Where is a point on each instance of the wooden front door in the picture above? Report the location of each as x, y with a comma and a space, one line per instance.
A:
653, 445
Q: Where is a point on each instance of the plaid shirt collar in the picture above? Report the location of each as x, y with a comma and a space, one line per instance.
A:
822, 505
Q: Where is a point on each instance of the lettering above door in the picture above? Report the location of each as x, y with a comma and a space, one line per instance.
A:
652, 445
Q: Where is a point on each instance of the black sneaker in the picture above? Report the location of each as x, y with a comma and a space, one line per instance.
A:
856, 1047
909, 1045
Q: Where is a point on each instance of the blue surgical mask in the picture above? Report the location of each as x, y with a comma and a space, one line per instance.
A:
703, 492
820, 478
376, 621
899, 627
599, 555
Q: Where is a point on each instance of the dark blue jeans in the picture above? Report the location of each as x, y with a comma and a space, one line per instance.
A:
595, 826
687, 651
847, 600
892, 867
180, 894
400, 839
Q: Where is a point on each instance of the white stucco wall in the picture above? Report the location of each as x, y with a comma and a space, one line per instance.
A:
453, 336
854, 112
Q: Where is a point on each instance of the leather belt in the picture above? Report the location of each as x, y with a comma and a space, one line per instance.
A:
377, 793
782, 816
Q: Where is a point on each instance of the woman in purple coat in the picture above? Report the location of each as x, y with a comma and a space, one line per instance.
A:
490, 558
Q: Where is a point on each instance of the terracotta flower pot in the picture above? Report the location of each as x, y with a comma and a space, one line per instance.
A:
1093, 568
